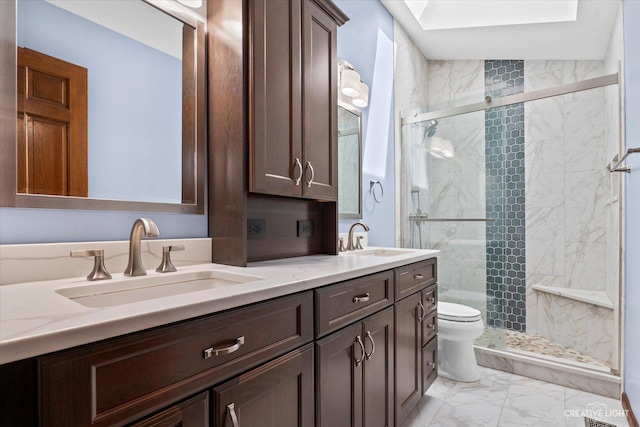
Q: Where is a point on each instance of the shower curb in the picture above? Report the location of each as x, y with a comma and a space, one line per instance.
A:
593, 381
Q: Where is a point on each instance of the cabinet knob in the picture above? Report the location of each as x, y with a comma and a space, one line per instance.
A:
418, 276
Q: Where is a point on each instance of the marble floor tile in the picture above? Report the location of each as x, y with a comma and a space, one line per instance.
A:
501, 399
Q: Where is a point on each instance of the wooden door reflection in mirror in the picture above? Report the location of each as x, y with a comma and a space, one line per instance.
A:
52, 125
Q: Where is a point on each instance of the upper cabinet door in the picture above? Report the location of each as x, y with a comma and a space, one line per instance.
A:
320, 104
293, 100
275, 93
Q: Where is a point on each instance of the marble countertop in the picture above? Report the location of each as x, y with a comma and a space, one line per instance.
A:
35, 319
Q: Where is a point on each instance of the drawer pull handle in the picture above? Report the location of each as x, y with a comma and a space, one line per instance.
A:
231, 410
373, 346
418, 276
363, 352
361, 298
423, 311
433, 327
226, 350
432, 300
431, 365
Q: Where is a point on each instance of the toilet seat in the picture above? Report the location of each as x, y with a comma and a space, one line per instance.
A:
457, 312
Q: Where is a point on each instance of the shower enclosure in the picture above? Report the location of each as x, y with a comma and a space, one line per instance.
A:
515, 192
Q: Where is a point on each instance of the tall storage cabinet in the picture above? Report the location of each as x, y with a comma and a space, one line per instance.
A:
272, 128
293, 104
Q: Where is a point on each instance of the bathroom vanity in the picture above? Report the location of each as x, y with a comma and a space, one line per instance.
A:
317, 340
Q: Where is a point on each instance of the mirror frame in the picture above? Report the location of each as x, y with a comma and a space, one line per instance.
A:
352, 109
193, 149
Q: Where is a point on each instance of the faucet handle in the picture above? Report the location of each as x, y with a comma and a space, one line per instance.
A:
166, 266
99, 271
341, 247
359, 242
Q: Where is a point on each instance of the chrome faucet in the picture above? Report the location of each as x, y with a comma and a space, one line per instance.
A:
150, 229
350, 245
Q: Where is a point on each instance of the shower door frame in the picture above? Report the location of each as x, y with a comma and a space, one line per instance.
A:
490, 103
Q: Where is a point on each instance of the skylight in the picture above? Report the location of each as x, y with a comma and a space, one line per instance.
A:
449, 14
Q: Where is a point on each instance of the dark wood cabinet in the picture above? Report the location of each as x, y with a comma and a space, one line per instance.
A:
370, 364
354, 371
272, 128
276, 394
117, 381
408, 369
293, 99
416, 327
193, 412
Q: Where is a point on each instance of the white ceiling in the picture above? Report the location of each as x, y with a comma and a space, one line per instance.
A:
586, 38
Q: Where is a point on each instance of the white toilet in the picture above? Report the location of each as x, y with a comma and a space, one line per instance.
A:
458, 326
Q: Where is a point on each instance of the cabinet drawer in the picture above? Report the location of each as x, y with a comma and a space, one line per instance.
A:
343, 303
413, 277
128, 377
429, 326
429, 364
430, 298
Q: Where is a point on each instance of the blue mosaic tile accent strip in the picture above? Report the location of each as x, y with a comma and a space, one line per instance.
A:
505, 200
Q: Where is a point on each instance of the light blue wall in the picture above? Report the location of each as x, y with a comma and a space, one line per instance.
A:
631, 17
134, 129
46, 226
366, 41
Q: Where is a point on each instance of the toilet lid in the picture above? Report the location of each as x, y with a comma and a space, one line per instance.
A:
457, 312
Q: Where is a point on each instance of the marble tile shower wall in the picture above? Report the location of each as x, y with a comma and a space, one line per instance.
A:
504, 157
411, 80
566, 228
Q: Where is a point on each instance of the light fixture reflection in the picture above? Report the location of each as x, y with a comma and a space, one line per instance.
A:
350, 83
362, 100
440, 148
352, 89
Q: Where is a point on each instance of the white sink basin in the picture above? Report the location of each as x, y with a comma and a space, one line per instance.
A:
381, 252
111, 293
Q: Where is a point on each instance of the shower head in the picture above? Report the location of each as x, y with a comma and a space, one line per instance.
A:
431, 128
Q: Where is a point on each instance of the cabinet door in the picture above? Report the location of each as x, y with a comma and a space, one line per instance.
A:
408, 355
275, 98
277, 394
378, 369
339, 376
320, 104
193, 412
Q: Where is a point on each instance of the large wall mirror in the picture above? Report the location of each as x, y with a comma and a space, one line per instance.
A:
110, 99
349, 163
